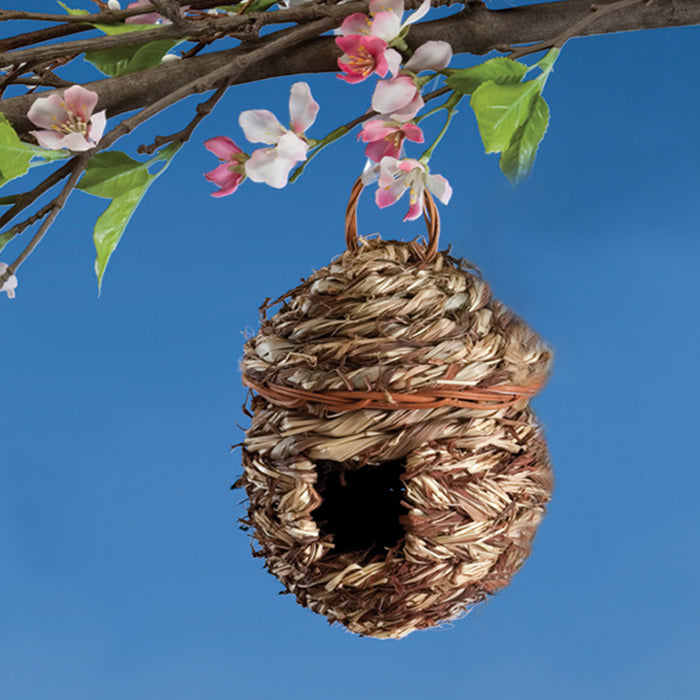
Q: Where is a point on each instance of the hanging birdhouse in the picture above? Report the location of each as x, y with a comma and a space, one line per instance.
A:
394, 470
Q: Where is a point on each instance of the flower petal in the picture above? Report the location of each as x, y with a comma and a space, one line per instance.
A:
413, 133
407, 112
433, 55
222, 146
48, 139
48, 111
292, 148
302, 107
370, 173
97, 126
225, 178
266, 166
387, 195
386, 25
363, 56
10, 284
393, 61
373, 130
80, 101
440, 187
391, 95
395, 6
75, 142
388, 168
150, 18
357, 23
261, 125
418, 14
415, 208
221, 175
376, 150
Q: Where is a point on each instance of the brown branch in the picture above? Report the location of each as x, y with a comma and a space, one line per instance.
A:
194, 28
594, 14
475, 30
275, 43
202, 110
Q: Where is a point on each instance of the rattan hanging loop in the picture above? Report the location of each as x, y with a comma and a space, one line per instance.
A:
430, 214
394, 470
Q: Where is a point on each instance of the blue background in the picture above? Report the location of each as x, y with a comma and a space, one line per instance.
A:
123, 573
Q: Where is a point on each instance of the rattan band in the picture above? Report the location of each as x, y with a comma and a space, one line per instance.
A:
478, 398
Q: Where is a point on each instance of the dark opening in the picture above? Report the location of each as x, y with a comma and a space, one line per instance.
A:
361, 507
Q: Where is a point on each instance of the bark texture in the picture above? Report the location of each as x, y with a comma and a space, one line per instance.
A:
475, 30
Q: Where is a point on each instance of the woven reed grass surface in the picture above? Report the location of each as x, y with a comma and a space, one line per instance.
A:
394, 471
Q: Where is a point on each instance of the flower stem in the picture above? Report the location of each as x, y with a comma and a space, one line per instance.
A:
317, 147
451, 107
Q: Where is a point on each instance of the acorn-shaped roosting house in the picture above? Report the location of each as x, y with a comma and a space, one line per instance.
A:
394, 470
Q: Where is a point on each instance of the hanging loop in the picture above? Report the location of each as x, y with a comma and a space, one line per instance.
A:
430, 213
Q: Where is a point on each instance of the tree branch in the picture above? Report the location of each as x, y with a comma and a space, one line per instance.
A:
475, 30
204, 26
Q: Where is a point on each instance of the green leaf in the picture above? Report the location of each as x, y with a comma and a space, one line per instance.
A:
14, 153
502, 71
113, 173
501, 109
118, 28
71, 11
546, 63
16, 156
125, 181
110, 227
517, 160
122, 60
6, 237
122, 28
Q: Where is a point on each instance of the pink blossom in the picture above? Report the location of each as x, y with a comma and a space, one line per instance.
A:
433, 55
150, 17
357, 23
68, 120
273, 165
9, 285
397, 99
364, 55
385, 138
384, 20
397, 176
231, 172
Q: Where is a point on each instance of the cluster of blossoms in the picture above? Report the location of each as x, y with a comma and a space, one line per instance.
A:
371, 44
367, 42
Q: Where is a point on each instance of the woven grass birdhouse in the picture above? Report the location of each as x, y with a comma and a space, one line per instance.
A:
394, 470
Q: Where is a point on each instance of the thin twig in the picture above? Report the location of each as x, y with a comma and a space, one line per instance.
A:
37, 216
12, 76
26, 198
596, 11
49, 80
203, 109
79, 164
